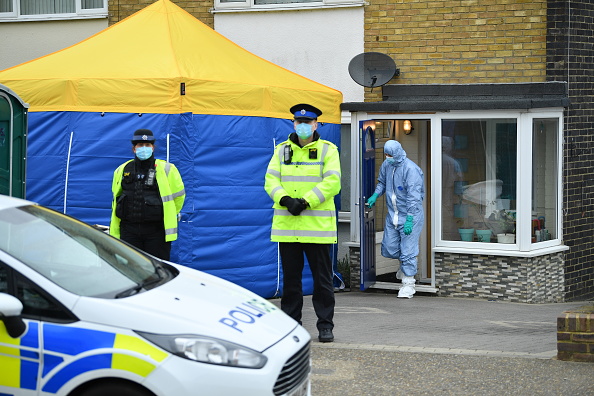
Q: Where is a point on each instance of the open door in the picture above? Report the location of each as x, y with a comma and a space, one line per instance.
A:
378, 272
13, 147
366, 215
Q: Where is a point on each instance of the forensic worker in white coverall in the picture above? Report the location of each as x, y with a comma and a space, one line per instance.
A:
402, 182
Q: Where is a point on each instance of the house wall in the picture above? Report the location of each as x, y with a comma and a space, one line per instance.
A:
570, 57
459, 42
515, 41
24, 41
317, 44
120, 9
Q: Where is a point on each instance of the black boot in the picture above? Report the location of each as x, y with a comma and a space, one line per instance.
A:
326, 335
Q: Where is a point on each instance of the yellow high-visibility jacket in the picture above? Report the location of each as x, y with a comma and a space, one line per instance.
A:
171, 190
314, 175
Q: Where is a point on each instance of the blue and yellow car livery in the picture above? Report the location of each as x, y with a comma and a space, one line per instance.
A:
49, 355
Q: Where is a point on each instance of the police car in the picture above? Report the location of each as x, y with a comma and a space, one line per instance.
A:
84, 314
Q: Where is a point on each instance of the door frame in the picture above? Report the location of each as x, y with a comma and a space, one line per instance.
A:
356, 155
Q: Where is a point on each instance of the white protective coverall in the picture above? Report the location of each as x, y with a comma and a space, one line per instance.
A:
402, 182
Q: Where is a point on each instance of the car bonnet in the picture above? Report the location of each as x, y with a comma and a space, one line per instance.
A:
194, 303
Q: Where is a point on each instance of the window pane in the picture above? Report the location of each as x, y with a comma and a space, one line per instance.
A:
35, 7
72, 255
260, 2
544, 179
6, 6
478, 179
90, 4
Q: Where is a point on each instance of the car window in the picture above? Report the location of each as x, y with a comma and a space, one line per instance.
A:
37, 304
73, 255
3, 280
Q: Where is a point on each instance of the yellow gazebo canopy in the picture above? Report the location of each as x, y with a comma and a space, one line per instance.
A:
163, 60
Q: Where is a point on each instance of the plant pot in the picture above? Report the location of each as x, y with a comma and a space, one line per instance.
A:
466, 234
483, 235
506, 238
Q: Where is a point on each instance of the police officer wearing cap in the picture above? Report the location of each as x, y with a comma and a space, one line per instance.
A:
148, 195
302, 178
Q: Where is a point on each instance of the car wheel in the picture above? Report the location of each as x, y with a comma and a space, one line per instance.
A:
117, 387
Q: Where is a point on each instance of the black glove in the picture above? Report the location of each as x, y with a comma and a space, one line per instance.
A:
294, 205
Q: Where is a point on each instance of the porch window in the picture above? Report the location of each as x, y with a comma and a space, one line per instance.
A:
545, 162
479, 189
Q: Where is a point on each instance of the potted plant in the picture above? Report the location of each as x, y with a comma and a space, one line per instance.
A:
504, 225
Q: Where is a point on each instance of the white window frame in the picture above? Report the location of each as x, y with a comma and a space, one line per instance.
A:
80, 13
248, 5
523, 245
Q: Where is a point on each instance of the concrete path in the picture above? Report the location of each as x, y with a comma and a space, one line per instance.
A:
432, 345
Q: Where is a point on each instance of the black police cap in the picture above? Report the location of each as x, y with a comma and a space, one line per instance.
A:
142, 136
305, 111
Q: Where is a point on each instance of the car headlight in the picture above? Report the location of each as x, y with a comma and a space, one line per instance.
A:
208, 350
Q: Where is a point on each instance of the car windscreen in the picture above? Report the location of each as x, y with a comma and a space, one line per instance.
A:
75, 256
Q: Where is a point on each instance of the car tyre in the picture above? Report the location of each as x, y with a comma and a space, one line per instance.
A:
118, 387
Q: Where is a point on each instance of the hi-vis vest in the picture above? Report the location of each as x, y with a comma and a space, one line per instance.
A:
314, 175
171, 190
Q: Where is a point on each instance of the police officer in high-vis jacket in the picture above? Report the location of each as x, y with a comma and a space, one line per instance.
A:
148, 195
302, 178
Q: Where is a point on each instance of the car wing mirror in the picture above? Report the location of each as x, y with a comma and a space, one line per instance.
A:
10, 313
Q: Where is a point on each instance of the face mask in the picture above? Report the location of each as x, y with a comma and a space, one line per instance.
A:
390, 160
304, 130
144, 153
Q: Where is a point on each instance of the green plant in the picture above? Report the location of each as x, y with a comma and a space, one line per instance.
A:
504, 222
344, 267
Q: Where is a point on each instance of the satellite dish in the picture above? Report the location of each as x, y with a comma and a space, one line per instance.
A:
372, 69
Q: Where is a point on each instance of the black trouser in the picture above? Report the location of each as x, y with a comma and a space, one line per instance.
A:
318, 256
149, 237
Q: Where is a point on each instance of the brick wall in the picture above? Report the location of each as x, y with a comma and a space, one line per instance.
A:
120, 9
570, 57
575, 335
459, 42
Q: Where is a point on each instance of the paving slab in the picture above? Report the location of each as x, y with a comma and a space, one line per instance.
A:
431, 345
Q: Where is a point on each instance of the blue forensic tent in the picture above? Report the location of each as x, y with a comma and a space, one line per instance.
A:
217, 111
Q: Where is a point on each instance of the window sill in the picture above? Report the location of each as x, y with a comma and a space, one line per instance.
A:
494, 252
287, 7
52, 18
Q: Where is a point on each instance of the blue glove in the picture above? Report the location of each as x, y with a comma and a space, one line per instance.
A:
408, 225
372, 199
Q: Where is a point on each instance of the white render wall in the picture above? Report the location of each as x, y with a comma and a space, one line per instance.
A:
317, 44
24, 41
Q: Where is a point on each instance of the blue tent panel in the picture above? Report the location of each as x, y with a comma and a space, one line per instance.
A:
226, 219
